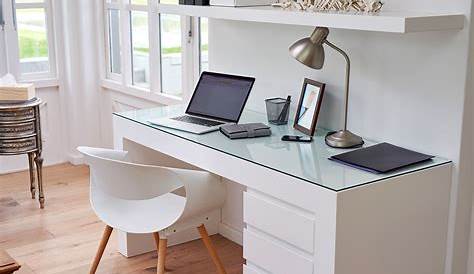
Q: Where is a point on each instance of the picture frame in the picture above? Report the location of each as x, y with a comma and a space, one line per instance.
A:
309, 104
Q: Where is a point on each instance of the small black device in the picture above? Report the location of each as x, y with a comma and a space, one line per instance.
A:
302, 139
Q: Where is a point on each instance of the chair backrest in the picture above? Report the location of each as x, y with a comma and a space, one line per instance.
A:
111, 173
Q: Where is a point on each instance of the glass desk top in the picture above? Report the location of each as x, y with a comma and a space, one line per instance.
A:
305, 161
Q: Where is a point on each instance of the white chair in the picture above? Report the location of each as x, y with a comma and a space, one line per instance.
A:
138, 198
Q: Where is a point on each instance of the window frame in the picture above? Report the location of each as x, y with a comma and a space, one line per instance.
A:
109, 74
190, 52
3, 54
11, 43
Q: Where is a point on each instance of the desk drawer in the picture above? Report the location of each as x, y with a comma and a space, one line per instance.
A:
17, 146
17, 129
273, 257
21, 114
281, 221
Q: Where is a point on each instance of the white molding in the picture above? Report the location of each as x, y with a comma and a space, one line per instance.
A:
75, 159
135, 244
25, 168
30, 5
231, 233
154, 97
44, 83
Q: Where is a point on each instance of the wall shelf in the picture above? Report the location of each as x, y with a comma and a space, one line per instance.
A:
394, 22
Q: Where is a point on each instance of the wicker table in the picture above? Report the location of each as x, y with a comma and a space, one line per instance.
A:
20, 133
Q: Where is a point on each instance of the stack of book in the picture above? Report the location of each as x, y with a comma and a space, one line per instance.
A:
11, 91
17, 92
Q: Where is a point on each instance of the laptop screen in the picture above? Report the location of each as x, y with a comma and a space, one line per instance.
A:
220, 96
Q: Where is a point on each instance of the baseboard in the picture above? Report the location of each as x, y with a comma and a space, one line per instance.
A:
131, 245
76, 159
140, 244
231, 233
26, 168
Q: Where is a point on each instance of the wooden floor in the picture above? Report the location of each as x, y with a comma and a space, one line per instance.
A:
64, 236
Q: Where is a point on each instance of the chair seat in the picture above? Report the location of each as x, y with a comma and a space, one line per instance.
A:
137, 216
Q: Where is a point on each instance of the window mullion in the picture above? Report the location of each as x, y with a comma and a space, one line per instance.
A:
188, 38
107, 43
51, 39
196, 47
3, 65
3, 56
154, 39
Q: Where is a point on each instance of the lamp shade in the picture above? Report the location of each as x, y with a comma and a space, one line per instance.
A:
310, 51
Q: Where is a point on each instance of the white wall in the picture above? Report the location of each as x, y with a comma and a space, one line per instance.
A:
405, 89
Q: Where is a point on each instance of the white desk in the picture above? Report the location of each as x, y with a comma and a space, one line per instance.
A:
306, 214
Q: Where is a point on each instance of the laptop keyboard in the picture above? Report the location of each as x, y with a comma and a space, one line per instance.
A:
198, 121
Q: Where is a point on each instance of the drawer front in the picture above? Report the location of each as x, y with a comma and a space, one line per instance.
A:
21, 114
17, 129
281, 221
17, 146
274, 257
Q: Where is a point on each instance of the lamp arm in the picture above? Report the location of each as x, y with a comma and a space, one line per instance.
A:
348, 71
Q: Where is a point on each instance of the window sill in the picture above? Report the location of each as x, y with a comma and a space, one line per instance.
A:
140, 93
43, 83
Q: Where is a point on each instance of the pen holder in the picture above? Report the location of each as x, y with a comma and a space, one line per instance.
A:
278, 110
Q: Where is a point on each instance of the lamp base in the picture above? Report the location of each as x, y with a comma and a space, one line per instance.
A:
343, 139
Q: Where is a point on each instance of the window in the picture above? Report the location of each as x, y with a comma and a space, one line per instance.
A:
171, 54
32, 40
140, 48
148, 50
114, 50
114, 40
29, 39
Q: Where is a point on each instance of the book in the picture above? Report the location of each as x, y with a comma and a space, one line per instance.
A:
17, 92
381, 158
240, 131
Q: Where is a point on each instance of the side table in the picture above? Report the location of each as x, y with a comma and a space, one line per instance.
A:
20, 133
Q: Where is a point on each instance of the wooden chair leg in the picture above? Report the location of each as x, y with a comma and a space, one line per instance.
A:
156, 235
163, 243
210, 248
100, 251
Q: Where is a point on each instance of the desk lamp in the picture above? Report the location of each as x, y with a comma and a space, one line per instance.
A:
310, 52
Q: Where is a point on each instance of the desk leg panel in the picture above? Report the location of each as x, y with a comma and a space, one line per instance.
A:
398, 226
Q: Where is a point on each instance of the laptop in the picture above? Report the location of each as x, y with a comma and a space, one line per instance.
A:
218, 100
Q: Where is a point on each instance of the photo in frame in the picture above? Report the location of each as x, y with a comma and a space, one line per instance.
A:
308, 107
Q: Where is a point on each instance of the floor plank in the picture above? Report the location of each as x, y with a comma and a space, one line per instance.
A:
64, 236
